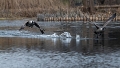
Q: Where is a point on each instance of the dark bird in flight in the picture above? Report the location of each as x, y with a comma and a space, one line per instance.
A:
100, 29
31, 24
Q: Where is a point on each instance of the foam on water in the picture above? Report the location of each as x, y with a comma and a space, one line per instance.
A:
54, 35
16, 33
65, 36
27, 34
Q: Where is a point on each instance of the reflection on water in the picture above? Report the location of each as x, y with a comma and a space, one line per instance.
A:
30, 49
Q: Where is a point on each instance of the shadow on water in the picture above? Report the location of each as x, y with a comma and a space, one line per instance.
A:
29, 48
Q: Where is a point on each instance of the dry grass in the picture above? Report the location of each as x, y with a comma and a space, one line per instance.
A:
28, 8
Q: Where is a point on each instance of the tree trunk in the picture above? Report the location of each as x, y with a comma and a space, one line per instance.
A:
88, 6
85, 6
91, 10
118, 1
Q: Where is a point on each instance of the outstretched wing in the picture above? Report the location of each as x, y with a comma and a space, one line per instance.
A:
22, 27
96, 26
42, 31
92, 22
109, 20
36, 25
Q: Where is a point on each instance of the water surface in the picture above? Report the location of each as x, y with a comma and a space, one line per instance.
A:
30, 49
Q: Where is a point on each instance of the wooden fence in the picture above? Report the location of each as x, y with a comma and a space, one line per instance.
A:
82, 18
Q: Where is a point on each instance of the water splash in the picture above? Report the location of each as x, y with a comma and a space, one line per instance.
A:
54, 35
77, 37
28, 34
66, 35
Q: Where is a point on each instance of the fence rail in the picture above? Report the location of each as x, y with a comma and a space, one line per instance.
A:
82, 18
107, 6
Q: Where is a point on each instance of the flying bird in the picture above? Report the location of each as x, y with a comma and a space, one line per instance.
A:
101, 28
31, 24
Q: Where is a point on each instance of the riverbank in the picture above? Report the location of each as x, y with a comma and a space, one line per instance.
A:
62, 14
52, 10
76, 17
28, 8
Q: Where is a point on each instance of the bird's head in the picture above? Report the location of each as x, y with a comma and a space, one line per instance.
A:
31, 21
101, 29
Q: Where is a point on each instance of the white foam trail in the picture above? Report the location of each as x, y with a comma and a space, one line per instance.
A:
27, 34
54, 35
66, 35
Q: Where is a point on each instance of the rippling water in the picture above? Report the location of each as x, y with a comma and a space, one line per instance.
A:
30, 49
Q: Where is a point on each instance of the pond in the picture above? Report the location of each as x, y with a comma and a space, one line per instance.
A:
30, 49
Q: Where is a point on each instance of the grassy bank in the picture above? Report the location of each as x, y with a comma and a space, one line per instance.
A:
30, 8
